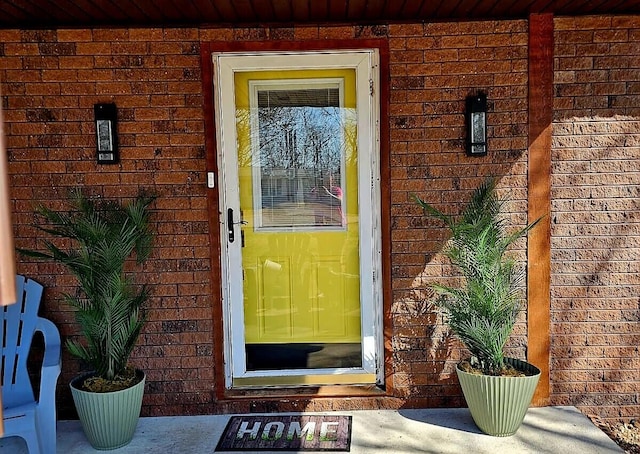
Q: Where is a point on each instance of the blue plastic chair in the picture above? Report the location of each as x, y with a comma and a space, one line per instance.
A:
24, 416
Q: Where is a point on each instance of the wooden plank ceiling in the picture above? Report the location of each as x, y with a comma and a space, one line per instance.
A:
51, 13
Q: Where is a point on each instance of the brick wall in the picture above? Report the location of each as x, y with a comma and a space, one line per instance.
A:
50, 82
596, 216
433, 68
51, 79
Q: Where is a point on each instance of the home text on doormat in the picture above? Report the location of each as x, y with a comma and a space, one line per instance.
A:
286, 433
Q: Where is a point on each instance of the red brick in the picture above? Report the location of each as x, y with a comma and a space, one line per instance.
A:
74, 35
93, 48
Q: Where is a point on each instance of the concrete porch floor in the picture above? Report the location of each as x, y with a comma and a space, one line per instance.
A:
554, 430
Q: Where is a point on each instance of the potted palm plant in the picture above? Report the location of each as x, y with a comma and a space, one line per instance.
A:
483, 309
102, 237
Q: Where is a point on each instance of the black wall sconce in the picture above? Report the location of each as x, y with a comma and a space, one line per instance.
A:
106, 133
476, 119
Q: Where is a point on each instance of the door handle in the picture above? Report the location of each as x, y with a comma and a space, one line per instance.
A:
231, 223
230, 229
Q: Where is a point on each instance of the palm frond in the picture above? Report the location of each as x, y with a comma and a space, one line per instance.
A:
109, 309
483, 310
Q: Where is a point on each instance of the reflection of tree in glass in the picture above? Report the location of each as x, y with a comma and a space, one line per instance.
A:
301, 138
327, 143
243, 129
298, 142
300, 153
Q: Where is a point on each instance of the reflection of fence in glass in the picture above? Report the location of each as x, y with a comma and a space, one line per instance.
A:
299, 197
302, 145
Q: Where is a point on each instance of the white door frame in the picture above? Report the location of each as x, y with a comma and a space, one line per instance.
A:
365, 63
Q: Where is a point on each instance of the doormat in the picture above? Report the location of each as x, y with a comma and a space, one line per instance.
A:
286, 433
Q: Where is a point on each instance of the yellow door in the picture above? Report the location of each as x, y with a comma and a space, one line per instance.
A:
297, 165
299, 192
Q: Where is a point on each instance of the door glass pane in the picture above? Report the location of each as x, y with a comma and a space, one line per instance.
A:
297, 160
299, 169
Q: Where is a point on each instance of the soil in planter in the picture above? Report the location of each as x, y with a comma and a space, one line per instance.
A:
102, 385
507, 370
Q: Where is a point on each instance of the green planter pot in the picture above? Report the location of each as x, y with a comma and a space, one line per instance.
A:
109, 419
498, 404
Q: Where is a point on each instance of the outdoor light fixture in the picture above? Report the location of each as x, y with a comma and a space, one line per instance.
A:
106, 139
476, 117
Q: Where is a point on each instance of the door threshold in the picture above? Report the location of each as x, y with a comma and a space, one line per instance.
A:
266, 392
305, 380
